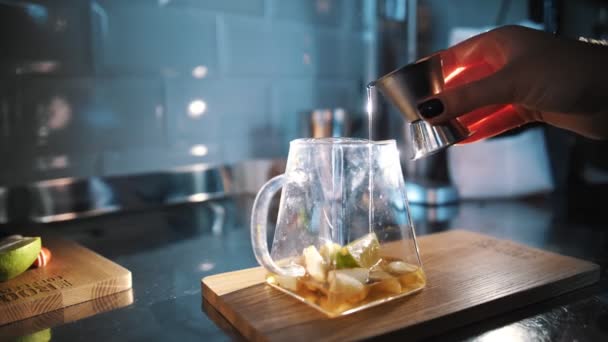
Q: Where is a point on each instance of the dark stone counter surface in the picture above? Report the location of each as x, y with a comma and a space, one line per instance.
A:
170, 249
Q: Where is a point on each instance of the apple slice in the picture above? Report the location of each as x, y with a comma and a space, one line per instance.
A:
390, 285
287, 282
400, 267
345, 286
315, 265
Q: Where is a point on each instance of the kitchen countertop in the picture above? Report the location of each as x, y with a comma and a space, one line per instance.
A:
170, 249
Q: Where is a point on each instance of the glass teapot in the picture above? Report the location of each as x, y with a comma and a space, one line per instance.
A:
344, 240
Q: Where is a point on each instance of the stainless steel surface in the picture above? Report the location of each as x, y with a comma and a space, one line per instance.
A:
405, 88
69, 198
428, 139
430, 193
170, 249
432, 214
407, 85
428, 178
412, 30
3, 205
371, 37
325, 123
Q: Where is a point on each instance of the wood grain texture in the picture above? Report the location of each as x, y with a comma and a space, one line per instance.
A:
469, 277
75, 275
66, 315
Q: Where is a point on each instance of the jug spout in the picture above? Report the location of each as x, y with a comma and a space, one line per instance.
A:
405, 88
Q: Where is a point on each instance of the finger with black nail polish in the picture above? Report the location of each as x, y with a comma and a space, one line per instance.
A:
431, 108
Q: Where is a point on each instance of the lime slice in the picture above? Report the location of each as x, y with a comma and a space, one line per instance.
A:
345, 260
17, 255
363, 252
328, 252
41, 336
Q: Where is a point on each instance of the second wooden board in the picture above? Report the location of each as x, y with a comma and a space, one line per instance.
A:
75, 275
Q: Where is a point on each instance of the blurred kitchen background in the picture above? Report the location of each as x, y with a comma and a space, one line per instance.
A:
110, 105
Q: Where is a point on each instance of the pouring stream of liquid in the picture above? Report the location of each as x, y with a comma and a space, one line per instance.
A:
370, 114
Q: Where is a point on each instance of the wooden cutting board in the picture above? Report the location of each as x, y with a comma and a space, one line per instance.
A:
66, 315
74, 275
469, 277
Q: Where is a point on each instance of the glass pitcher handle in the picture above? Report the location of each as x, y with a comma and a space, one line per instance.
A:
259, 222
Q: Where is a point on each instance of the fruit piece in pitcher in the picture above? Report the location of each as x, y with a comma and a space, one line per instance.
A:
287, 282
346, 286
379, 275
363, 252
340, 278
328, 251
390, 285
315, 265
400, 267
344, 259
359, 273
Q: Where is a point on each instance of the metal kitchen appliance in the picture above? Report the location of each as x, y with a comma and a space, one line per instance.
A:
325, 123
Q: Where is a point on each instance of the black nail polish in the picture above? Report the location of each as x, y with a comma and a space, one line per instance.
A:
430, 108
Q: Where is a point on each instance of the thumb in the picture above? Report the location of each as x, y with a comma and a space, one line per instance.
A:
492, 90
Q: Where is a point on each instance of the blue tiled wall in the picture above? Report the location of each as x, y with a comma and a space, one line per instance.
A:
109, 87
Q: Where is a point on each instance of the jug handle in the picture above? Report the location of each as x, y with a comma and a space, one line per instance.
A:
259, 222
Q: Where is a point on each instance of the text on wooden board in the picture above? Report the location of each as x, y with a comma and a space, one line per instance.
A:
10, 294
507, 248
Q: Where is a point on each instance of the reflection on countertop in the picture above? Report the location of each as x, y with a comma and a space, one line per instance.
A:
170, 249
